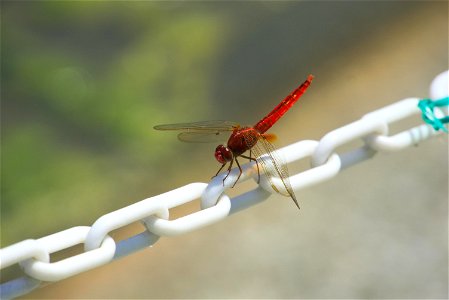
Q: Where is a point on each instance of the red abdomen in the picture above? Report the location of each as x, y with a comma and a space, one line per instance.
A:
263, 125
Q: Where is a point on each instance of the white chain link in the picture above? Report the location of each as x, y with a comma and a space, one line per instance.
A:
99, 248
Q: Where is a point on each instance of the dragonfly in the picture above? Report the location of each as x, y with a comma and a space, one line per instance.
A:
242, 139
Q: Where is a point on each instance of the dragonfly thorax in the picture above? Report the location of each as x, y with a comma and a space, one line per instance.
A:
223, 154
242, 139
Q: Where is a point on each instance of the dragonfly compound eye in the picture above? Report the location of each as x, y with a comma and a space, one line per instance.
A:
223, 154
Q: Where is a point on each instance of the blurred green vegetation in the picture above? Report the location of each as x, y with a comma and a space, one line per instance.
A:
82, 86
84, 82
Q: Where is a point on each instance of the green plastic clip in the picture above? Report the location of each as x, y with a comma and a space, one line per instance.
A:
427, 106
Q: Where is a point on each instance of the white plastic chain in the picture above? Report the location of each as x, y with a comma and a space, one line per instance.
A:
33, 255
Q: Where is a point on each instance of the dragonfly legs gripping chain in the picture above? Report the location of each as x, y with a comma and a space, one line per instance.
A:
240, 174
257, 164
240, 168
229, 170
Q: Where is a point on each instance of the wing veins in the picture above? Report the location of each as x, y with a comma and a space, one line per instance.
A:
202, 126
277, 168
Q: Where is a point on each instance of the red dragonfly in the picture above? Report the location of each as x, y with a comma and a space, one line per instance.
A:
246, 138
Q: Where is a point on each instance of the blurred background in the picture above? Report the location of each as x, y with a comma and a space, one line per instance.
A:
83, 83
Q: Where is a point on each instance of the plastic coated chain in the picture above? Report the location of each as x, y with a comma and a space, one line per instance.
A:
34, 255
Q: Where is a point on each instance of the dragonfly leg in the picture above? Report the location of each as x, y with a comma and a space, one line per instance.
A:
229, 171
222, 166
240, 168
257, 164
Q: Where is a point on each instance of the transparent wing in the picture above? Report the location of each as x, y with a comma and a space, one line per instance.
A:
203, 137
201, 132
203, 126
272, 164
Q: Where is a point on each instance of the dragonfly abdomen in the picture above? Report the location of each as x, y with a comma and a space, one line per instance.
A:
269, 120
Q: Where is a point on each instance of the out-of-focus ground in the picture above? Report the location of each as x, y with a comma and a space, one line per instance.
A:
84, 82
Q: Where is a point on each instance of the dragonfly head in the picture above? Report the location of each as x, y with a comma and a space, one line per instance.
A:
223, 154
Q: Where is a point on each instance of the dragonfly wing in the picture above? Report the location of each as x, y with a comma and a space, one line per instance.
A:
201, 132
212, 126
273, 165
203, 137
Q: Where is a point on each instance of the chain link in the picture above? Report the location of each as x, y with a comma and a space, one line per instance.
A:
46, 271
99, 248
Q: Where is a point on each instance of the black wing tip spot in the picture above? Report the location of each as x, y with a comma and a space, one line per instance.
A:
294, 200
296, 203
